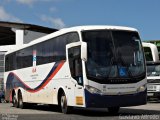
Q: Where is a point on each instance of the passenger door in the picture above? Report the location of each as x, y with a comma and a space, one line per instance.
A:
75, 65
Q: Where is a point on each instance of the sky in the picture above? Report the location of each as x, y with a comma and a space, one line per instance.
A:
143, 15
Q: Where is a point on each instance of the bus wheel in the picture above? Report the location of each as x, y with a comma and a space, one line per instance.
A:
63, 103
113, 110
14, 101
20, 101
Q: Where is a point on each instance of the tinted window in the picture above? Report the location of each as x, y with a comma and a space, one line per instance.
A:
72, 37
10, 62
46, 52
148, 54
75, 64
114, 55
24, 58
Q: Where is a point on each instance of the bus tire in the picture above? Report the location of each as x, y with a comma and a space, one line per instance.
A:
63, 103
21, 104
14, 101
113, 110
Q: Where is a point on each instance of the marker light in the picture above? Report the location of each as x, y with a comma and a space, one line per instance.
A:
79, 100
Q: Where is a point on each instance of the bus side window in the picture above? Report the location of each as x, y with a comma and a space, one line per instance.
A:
75, 64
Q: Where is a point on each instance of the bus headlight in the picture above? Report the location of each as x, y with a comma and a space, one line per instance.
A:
141, 88
93, 89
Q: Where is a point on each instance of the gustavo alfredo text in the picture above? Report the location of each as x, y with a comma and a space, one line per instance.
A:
139, 117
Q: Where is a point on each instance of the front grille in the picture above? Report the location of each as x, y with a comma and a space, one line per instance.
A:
153, 80
151, 90
152, 87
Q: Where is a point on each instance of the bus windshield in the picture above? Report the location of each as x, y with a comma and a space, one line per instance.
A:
153, 69
113, 55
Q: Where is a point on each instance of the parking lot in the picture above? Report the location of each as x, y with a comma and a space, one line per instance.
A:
44, 112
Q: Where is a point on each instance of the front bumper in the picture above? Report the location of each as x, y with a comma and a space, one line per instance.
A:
103, 101
153, 94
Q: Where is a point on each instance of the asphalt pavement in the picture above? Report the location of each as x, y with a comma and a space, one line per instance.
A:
150, 111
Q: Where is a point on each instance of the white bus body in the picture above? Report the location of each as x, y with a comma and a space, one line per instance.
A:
85, 66
153, 70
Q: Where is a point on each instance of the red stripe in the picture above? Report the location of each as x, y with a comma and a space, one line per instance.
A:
49, 79
21, 81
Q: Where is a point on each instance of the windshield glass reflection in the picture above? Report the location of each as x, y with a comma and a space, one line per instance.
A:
113, 54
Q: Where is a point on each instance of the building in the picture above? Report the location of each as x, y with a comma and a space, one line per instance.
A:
16, 34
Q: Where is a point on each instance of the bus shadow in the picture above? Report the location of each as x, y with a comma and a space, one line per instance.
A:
47, 108
130, 111
96, 112
153, 101
122, 112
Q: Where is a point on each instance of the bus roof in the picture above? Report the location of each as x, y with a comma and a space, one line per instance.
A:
71, 29
90, 27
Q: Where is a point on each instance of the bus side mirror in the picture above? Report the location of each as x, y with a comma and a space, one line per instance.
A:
84, 51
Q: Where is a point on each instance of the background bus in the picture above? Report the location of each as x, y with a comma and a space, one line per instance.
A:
85, 66
13, 35
156, 42
151, 52
153, 70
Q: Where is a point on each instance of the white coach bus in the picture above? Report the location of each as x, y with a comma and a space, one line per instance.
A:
84, 66
153, 70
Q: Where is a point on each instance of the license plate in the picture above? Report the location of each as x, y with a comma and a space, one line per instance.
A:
151, 87
149, 94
